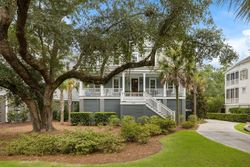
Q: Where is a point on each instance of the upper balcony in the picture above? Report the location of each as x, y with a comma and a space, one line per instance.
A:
232, 82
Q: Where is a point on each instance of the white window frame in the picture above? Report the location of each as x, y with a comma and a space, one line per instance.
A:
150, 79
244, 77
119, 83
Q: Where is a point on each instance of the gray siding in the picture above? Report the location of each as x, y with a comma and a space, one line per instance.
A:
90, 105
136, 110
112, 105
172, 105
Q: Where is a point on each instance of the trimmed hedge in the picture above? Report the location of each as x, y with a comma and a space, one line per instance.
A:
228, 117
90, 118
103, 117
240, 111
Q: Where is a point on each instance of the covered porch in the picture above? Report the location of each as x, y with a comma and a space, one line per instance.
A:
131, 84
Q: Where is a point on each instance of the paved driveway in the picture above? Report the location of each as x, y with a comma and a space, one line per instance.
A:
224, 132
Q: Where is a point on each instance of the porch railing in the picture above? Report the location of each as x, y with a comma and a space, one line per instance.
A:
169, 92
232, 101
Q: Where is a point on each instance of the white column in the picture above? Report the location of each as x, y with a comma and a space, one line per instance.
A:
81, 89
123, 82
165, 89
102, 90
144, 82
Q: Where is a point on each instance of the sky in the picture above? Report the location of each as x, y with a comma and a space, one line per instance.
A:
236, 31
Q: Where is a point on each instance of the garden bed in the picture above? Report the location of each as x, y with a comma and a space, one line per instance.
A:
131, 151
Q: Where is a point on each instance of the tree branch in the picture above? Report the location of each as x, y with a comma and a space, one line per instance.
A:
22, 14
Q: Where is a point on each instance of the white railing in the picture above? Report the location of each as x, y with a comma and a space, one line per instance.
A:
112, 92
92, 92
232, 101
169, 92
158, 107
232, 82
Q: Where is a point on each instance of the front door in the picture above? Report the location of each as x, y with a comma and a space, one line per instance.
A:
134, 84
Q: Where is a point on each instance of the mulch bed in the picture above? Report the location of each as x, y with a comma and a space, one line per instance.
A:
131, 151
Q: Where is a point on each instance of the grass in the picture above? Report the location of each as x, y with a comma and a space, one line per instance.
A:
240, 127
184, 148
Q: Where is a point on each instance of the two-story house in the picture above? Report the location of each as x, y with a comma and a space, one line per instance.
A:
237, 85
134, 92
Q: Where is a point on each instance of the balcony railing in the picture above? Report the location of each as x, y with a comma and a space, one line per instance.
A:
116, 92
232, 101
232, 82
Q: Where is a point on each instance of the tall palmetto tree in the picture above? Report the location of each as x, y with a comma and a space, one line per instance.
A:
174, 68
62, 88
70, 86
194, 83
241, 7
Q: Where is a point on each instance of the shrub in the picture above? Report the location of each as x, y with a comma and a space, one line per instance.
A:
69, 143
134, 132
15, 116
128, 119
228, 117
153, 129
143, 120
114, 121
192, 118
102, 117
81, 118
188, 124
164, 124
240, 111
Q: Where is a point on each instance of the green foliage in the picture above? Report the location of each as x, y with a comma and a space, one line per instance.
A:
103, 117
134, 132
228, 117
240, 111
164, 124
114, 121
215, 104
15, 116
143, 120
188, 124
128, 119
192, 118
77, 142
81, 118
153, 129
91, 118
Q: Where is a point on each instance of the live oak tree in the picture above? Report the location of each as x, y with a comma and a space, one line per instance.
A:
39, 38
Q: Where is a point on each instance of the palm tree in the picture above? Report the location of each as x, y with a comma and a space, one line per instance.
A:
241, 7
194, 83
62, 87
70, 86
174, 68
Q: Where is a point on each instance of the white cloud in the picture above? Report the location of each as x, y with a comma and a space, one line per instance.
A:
241, 44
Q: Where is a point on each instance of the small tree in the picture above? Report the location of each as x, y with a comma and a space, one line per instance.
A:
175, 71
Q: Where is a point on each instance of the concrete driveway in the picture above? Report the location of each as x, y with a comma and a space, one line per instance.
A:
224, 133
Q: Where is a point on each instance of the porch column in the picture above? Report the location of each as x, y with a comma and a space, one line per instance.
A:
144, 82
165, 89
102, 90
123, 82
81, 89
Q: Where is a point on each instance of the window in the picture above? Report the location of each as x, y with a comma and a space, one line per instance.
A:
236, 93
228, 77
228, 94
134, 57
232, 93
116, 84
244, 74
244, 90
152, 83
237, 75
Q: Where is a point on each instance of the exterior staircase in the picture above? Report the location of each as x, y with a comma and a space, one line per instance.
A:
150, 102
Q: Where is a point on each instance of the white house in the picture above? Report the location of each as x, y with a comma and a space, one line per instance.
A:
237, 85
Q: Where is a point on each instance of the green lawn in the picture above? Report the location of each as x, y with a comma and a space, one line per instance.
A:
184, 148
240, 127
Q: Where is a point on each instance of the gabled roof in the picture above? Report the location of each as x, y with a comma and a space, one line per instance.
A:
247, 59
